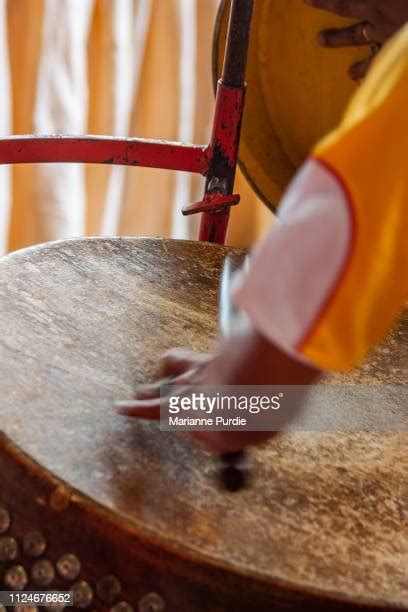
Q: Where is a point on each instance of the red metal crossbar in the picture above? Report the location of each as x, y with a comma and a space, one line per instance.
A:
105, 150
216, 161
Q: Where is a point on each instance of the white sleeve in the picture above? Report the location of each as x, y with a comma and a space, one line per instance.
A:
293, 272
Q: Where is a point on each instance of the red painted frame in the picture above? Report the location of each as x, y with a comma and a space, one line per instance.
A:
216, 161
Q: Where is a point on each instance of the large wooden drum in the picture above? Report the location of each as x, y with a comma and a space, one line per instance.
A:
130, 517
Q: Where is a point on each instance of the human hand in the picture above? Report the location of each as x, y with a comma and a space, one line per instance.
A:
378, 21
246, 358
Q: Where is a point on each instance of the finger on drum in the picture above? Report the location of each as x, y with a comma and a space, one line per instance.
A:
353, 36
360, 69
148, 409
152, 390
148, 391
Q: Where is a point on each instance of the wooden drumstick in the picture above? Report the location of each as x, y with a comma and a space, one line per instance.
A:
233, 471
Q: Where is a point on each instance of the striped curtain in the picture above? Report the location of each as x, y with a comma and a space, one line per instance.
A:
119, 67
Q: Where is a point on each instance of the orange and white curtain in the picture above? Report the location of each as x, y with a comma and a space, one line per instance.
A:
120, 67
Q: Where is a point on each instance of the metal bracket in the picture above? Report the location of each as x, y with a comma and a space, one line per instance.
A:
212, 202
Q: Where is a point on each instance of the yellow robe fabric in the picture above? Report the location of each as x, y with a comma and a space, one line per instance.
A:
119, 67
369, 154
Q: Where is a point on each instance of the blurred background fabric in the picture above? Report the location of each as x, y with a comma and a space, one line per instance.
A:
118, 67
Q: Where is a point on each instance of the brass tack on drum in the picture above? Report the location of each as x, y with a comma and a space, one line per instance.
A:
16, 578
69, 566
8, 548
60, 498
42, 572
34, 544
108, 588
122, 606
4, 520
152, 602
82, 594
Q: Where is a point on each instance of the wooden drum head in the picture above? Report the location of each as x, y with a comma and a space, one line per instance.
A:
323, 526
297, 90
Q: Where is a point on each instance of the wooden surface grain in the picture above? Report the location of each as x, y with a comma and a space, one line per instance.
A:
84, 321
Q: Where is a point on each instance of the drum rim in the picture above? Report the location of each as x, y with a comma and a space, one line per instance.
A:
157, 544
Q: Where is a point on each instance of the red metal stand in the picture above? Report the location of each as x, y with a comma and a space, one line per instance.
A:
216, 161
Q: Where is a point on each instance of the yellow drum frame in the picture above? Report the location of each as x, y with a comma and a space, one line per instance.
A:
297, 90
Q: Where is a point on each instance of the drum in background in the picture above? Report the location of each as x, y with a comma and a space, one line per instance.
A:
297, 90
130, 517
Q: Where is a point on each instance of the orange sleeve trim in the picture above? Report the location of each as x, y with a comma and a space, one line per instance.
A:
347, 259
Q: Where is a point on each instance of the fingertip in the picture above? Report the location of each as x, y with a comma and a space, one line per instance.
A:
124, 412
355, 73
131, 407
145, 392
122, 407
120, 403
359, 70
148, 410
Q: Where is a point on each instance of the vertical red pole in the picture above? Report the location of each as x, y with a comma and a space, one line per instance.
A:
229, 108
